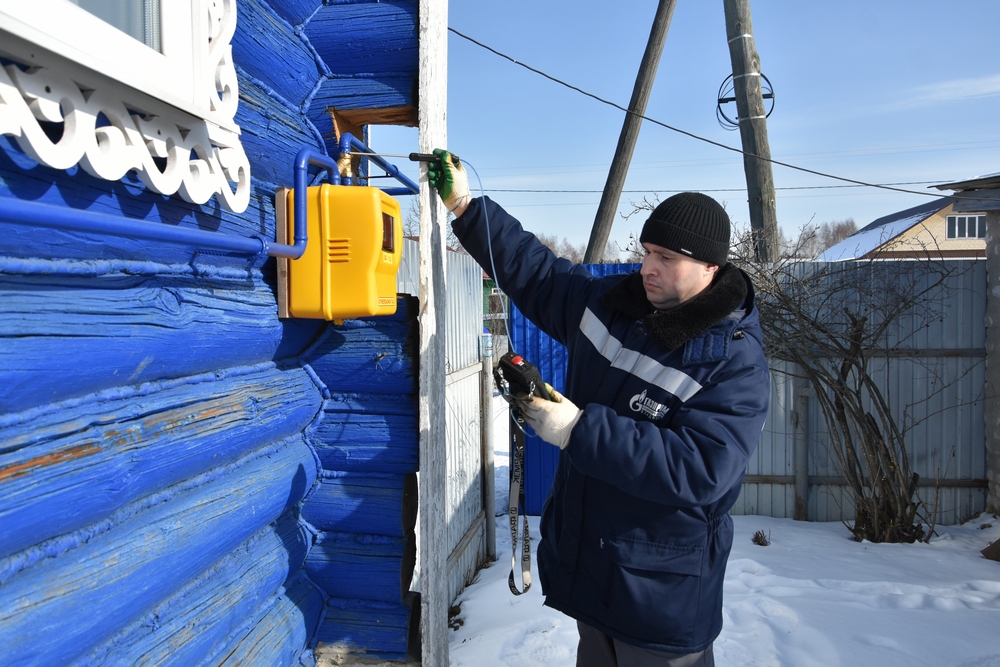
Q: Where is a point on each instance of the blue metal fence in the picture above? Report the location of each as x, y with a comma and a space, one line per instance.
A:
550, 357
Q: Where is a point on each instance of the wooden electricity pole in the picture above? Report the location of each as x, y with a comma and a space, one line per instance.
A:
630, 133
753, 129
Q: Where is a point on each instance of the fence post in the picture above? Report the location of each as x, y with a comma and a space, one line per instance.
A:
486, 417
991, 412
800, 460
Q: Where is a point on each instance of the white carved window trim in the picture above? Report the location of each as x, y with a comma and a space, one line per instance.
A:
122, 106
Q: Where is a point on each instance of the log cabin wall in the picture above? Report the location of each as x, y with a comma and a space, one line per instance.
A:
185, 478
364, 508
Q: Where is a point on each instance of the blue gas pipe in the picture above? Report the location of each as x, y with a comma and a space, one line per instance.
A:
34, 214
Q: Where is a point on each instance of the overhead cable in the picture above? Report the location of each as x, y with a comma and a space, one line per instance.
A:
701, 138
796, 187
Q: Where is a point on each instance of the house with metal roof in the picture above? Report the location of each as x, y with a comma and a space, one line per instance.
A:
931, 230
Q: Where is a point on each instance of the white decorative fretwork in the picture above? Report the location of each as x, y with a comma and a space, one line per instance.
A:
98, 129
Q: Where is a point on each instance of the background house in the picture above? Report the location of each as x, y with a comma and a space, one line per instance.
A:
931, 230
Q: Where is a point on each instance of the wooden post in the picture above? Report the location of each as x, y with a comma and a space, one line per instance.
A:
800, 456
753, 129
432, 115
992, 389
630, 134
486, 415
983, 195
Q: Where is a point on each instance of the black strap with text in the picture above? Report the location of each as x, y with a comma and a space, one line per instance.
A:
516, 502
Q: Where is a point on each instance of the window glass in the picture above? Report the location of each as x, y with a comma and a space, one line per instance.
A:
966, 227
146, 68
139, 19
388, 233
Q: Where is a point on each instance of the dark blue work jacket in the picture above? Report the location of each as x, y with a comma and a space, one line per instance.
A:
636, 528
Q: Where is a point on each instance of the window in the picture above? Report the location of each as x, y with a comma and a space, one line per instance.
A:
115, 72
967, 226
139, 19
69, 32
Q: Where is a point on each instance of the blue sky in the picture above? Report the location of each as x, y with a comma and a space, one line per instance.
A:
882, 92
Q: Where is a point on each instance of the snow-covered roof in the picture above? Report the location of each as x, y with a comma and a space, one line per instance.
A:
881, 231
979, 182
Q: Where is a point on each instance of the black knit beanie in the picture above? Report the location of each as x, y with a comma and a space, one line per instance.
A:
692, 224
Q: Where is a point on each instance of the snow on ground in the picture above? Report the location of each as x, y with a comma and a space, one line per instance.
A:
812, 598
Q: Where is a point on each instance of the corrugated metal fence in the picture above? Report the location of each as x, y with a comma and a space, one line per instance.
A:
936, 387
934, 384
467, 515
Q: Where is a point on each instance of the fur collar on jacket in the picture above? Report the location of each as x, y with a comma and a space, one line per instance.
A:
673, 328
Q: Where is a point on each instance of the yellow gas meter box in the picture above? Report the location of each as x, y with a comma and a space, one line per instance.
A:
350, 262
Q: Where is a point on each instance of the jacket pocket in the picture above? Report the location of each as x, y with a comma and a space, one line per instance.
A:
656, 556
656, 593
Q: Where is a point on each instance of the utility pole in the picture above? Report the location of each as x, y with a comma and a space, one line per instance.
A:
753, 129
630, 133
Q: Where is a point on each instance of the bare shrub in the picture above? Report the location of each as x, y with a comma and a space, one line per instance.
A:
830, 319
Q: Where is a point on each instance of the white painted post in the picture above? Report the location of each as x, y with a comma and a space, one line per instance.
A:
486, 415
432, 100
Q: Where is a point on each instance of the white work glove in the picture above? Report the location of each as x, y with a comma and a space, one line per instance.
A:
450, 179
553, 420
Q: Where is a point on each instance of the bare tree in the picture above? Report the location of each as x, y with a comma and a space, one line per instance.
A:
832, 233
411, 225
633, 251
814, 239
830, 320
411, 218
575, 253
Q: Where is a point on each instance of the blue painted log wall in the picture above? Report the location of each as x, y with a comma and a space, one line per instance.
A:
366, 438
371, 52
184, 478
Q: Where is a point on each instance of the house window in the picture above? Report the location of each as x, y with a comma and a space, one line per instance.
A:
967, 226
145, 46
139, 19
115, 86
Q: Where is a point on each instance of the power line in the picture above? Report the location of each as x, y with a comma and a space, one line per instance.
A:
799, 187
698, 137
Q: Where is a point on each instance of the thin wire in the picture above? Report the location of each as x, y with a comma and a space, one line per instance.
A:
493, 270
705, 139
800, 187
489, 245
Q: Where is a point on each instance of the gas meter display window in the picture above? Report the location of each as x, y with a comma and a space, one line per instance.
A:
388, 233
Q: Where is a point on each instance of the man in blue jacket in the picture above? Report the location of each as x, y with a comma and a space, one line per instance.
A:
666, 393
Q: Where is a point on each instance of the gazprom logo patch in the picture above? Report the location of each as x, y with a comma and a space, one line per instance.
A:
647, 406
